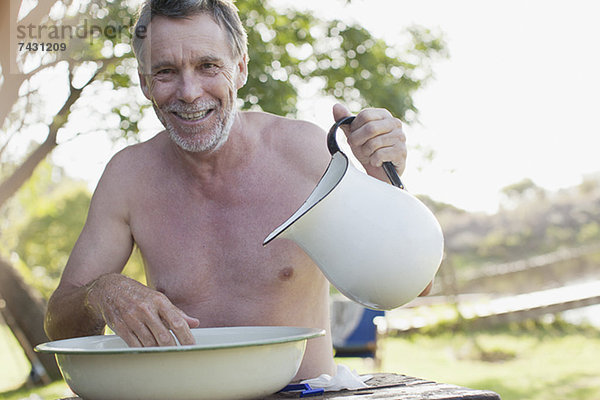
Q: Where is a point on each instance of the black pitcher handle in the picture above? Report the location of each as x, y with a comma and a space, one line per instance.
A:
333, 147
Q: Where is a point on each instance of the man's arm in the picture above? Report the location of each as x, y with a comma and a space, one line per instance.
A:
103, 247
93, 293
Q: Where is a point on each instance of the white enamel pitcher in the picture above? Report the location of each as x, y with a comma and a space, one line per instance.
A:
376, 243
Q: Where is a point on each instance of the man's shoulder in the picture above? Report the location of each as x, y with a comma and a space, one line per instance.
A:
267, 120
129, 164
298, 142
283, 129
135, 156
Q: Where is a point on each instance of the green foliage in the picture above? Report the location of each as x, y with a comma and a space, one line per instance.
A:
525, 189
535, 222
45, 220
589, 232
345, 61
47, 238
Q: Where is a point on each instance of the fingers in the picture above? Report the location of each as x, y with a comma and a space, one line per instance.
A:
192, 322
375, 136
177, 321
155, 327
158, 322
364, 130
141, 316
155, 324
151, 317
123, 330
340, 111
397, 156
139, 325
371, 114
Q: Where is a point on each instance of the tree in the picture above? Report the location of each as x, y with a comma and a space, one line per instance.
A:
346, 61
521, 191
96, 61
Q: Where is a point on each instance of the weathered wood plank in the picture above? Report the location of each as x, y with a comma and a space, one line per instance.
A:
401, 387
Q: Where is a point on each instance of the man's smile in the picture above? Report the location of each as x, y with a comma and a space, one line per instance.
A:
192, 116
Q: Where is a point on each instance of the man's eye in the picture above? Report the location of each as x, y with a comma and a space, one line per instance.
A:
209, 66
164, 71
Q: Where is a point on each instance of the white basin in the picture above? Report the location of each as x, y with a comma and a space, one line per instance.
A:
225, 363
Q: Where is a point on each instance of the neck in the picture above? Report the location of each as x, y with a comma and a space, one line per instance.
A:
230, 156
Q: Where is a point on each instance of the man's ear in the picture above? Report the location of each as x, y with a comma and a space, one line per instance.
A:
144, 85
242, 75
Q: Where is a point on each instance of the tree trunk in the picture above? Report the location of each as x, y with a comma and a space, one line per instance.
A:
26, 309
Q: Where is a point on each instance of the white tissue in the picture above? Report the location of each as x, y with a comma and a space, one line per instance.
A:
343, 379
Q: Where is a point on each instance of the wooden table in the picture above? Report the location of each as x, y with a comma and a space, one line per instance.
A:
396, 387
401, 387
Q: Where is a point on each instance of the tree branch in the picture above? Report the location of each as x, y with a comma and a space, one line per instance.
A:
12, 184
36, 15
42, 67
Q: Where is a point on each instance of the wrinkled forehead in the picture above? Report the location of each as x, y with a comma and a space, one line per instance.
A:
170, 39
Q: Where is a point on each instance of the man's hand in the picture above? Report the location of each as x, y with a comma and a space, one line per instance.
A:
139, 315
374, 136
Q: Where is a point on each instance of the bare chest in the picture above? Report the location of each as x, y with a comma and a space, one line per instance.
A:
207, 249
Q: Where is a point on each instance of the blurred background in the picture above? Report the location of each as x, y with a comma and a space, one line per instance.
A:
500, 101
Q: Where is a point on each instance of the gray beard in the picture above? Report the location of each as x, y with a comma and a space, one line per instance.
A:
217, 137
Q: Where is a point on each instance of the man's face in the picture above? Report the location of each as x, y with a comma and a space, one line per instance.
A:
193, 80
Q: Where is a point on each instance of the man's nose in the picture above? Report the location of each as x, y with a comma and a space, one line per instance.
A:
190, 87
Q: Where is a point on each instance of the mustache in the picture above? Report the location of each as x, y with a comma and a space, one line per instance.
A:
189, 108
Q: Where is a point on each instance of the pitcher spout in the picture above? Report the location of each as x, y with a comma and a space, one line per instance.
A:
331, 178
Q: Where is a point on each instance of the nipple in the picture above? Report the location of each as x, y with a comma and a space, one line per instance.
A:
286, 273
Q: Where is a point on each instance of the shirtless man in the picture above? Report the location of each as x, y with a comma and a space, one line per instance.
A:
199, 198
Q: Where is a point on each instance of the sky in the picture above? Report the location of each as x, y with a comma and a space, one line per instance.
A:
517, 98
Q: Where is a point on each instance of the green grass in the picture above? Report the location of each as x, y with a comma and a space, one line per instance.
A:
530, 364
525, 362
14, 369
14, 366
56, 390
